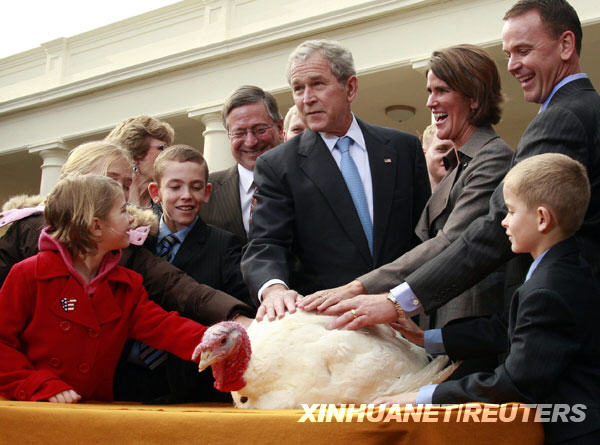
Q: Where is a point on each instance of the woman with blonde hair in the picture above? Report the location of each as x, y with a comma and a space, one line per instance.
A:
101, 158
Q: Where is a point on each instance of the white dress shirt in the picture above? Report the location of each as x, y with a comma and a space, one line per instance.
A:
246, 186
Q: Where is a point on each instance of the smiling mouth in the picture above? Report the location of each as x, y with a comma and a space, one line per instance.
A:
525, 79
254, 153
440, 117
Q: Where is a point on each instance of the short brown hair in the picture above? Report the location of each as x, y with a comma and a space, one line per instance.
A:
557, 15
85, 157
250, 94
556, 181
72, 206
470, 71
178, 153
133, 134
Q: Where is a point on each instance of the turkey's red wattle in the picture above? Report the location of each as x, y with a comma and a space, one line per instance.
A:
229, 374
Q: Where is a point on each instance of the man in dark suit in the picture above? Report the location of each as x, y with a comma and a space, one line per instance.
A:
254, 125
542, 39
336, 201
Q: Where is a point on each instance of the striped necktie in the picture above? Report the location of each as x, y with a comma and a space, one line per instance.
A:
150, 356
165, 247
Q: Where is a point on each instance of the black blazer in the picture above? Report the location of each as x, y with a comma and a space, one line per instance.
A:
304, 215
570, 125
551, 335
212, 256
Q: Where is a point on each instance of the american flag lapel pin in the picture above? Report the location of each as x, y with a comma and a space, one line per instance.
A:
68, 304
387, 161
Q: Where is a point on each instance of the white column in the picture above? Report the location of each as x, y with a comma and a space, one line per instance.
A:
217, 150
54, 155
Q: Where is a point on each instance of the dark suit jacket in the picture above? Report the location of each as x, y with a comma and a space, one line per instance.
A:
552, 339
212, 256
570, 125
224, 209
462, 196
304, 210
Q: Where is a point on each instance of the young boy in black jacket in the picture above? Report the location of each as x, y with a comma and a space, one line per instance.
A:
551, 329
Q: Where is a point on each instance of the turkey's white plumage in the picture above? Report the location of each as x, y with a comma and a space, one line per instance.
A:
297, 360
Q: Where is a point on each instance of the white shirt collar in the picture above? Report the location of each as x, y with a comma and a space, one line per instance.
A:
354, 132
163, 229
246, 178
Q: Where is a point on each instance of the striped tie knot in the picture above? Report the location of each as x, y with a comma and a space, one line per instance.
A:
165, 246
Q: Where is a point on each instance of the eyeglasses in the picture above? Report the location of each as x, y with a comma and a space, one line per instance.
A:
257, 130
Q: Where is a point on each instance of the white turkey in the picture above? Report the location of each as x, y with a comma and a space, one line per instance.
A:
295, 360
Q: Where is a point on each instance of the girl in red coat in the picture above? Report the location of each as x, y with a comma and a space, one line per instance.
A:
66, 312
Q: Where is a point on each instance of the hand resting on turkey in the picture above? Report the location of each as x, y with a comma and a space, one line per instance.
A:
294, 360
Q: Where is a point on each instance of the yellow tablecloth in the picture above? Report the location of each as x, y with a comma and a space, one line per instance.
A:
118, 423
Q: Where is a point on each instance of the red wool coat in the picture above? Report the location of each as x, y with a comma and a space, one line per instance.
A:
54, 336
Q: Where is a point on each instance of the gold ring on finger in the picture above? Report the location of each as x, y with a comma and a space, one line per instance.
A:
354, 314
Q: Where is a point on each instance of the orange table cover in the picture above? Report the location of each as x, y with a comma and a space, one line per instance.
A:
121, 423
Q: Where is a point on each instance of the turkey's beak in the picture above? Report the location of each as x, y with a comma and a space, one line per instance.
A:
207, 358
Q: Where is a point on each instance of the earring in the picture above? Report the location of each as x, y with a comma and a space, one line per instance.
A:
135, 169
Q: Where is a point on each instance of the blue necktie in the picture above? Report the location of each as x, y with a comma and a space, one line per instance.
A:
355, 187
166, 246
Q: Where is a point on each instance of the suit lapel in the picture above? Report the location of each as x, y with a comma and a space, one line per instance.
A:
229, 187
436, 204
558, 252
383, 162
318, 164
192, 244
512, 315
440, 197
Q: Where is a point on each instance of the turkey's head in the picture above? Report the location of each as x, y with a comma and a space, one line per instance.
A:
226, 347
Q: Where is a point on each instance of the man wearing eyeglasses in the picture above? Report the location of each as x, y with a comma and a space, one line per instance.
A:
341, 198
254, 125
